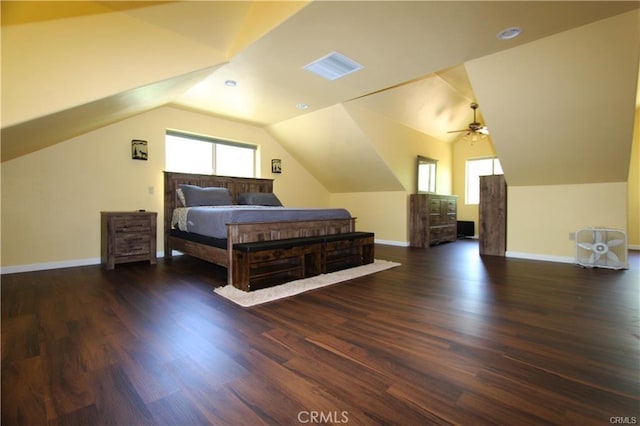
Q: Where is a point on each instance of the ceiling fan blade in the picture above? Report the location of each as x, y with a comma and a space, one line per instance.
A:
475, 127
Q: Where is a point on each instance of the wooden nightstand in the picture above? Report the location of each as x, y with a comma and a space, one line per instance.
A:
128, 237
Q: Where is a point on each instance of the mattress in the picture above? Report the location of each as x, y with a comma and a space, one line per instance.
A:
212, 221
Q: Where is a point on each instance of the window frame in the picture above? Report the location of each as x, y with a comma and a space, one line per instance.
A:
214, 155
495, 166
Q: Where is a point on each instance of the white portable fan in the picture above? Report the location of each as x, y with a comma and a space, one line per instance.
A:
601, 248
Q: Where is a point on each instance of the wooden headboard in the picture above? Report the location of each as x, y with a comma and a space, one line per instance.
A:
236, 185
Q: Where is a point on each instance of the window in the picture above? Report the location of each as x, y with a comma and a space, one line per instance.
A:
475, 169
200, 154
426, 174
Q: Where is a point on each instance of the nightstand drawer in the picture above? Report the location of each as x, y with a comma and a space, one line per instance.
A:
132, 244
131, 224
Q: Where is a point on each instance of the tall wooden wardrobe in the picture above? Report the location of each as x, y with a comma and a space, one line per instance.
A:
493, 215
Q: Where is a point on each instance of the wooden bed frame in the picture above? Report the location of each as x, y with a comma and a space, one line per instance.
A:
237, 232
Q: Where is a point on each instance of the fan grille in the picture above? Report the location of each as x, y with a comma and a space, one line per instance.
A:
602, 248
333, 66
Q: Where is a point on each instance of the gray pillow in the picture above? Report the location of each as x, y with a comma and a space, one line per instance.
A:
209, 196
259, 199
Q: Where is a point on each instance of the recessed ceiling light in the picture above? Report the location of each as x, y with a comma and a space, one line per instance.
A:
231, 83
302, 106
509, 33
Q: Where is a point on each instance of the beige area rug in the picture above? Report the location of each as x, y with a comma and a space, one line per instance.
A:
252, 298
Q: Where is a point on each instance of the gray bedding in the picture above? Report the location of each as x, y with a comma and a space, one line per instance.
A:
212, 221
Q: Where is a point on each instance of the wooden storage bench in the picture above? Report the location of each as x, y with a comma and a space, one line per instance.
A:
264, 264
342, 251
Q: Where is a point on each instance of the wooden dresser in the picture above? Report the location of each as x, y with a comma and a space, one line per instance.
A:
432, 219
128, 237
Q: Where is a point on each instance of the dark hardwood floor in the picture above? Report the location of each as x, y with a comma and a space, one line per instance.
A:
448, 337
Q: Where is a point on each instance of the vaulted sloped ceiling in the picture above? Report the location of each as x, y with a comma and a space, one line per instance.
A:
41, 132
432, 104
346, 162
572, 95
362, 145
70, 67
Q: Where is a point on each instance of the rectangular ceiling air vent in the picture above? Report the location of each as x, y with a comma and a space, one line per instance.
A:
333, 66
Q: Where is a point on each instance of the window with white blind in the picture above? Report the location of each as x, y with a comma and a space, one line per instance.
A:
188, 153
475, 169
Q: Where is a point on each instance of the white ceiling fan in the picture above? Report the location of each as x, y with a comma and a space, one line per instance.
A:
474, 127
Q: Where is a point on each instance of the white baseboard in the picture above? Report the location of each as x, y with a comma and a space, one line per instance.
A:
542, 257
57, 265
49, 265
96, 261
392, 243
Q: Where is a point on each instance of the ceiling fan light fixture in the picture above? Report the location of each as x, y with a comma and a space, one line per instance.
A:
509, 33
476, 130
474, 137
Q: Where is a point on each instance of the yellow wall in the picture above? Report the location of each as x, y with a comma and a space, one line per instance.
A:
52, 198
384, 213
399, 146
462, 151
541, 228
540, 99
633, 221
334, 147
541, 218
52, 60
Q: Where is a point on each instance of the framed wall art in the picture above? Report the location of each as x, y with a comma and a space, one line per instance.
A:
276, 165
139, 149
